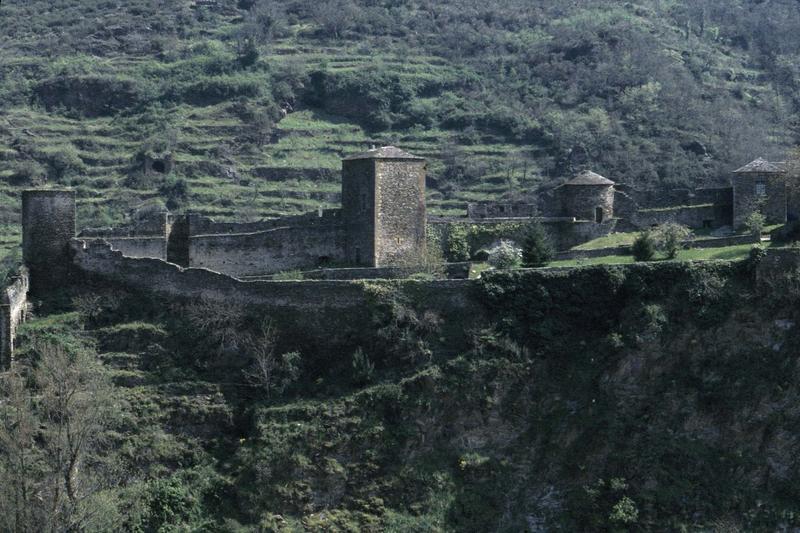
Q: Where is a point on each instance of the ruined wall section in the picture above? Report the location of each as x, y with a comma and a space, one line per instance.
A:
400, 206
266, 252
13, 311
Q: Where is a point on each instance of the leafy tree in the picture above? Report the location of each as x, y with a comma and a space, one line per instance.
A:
363, 368
670, 237
537, 250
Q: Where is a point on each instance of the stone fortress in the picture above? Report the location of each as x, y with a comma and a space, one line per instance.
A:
382, 225
382, 222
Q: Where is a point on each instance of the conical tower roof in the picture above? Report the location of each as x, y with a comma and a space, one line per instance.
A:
587, 177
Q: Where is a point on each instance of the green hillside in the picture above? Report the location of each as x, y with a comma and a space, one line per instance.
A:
503, 98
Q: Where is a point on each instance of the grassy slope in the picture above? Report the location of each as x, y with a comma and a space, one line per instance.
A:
305, 139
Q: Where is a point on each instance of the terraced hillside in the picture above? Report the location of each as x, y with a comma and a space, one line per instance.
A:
258, 100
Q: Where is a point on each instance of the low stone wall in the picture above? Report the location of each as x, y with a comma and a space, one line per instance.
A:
598, 252
717, 242
721, 242
693, 216
451, 271
13, 310
564, 232
265, 252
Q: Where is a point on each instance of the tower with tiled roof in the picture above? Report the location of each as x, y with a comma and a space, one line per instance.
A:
588, 196
383, 207
759, 185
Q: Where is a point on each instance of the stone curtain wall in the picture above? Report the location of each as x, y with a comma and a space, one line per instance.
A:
400, 206
481, 210
155, 247
313, 312
202, 225
266, 252
13, 309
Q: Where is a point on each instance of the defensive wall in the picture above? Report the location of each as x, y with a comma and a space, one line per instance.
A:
312, 312
263, 252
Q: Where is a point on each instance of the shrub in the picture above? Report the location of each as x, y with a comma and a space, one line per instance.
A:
26, 173
505, 255
537, 250
755, 222
363, 368
644, 247
669, 238
64, 162
457, 244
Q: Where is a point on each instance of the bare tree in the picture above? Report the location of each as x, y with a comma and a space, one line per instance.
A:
269, 370
222, 322
19, 457
51, 430
75, 407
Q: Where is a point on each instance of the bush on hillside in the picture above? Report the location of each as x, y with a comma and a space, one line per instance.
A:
537, 249
644, 247
26, 173
505, 255
457, 244
670, 237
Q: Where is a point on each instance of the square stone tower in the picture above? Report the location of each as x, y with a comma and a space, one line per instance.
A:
383, 207
760, 185
48, 226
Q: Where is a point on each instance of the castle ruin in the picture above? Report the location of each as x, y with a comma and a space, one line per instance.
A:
381, 225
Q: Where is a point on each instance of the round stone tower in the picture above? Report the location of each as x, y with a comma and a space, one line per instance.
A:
588, 196
48, 226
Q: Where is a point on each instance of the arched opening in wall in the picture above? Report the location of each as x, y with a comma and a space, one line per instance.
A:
159, 166
324, 261
598, 214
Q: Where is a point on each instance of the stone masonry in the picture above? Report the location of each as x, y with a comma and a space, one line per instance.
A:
383, 206
48, 226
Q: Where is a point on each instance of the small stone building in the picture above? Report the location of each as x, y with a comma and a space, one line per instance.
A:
383, 207
760, 185
588, 196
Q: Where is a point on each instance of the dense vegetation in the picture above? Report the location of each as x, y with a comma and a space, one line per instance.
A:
258, 99
649, 397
